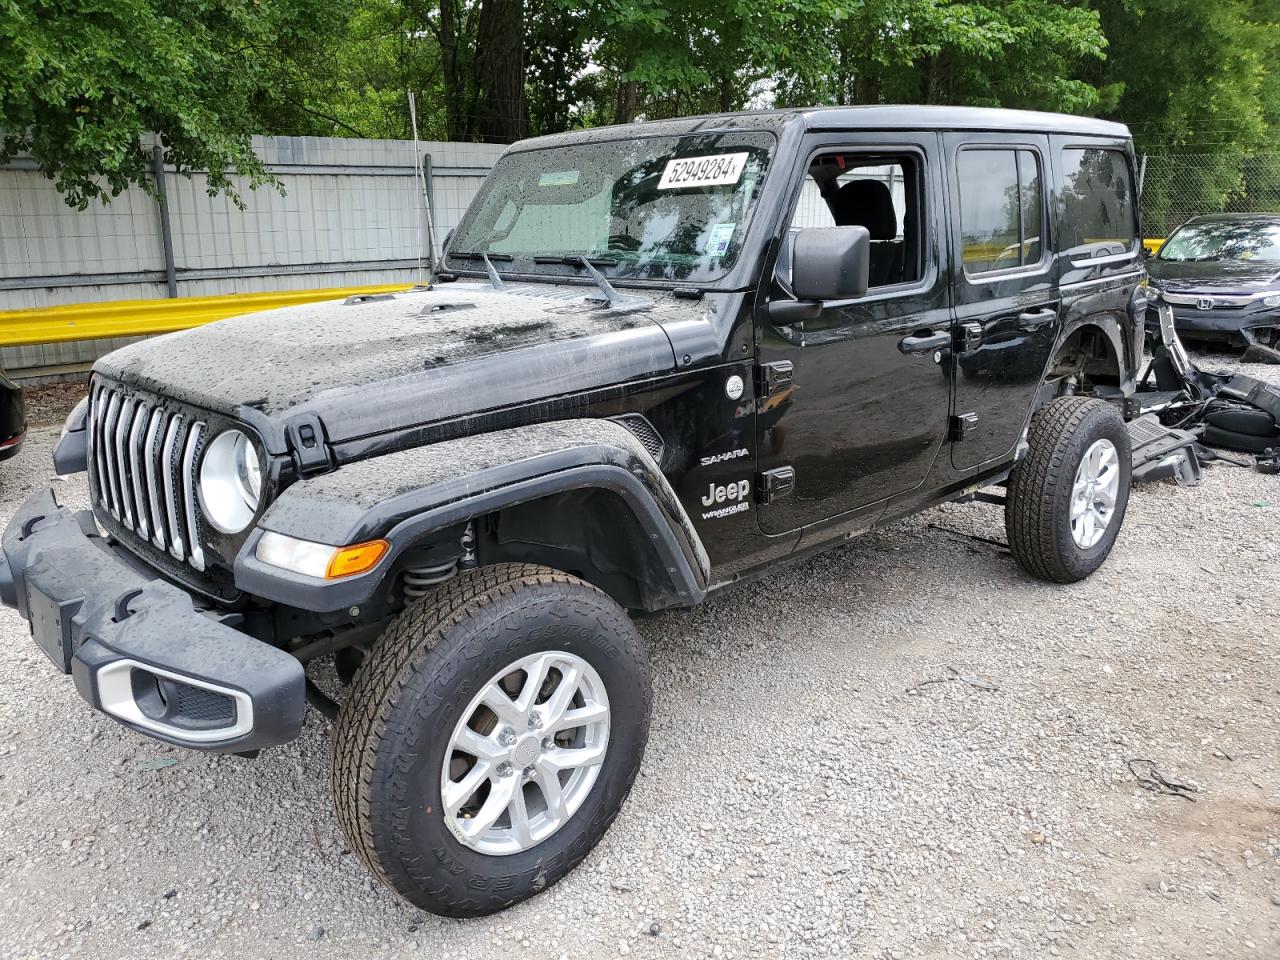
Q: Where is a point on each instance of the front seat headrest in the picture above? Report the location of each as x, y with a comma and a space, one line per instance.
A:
866, 203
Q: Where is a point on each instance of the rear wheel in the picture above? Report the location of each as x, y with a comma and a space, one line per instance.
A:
491, 737
1067, 497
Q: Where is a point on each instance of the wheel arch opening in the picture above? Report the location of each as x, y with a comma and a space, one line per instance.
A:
1086, 360
589, 532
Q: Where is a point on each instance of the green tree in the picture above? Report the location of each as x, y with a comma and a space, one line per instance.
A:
82, 82
351, 80
660, 59
1200, 98
1012, 53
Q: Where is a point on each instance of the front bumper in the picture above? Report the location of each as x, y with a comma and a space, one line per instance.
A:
1240, 328
136, 646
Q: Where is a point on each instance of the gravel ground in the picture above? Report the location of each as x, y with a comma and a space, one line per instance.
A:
818, 782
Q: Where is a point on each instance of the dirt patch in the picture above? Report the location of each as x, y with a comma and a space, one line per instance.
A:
49, 403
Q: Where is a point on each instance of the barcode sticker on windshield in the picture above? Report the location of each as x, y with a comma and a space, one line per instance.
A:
718, 239
714, 171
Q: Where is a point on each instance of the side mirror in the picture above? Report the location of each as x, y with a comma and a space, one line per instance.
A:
831, 263
827, 263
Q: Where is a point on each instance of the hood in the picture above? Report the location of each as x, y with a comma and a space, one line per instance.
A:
366, 366
1221, 276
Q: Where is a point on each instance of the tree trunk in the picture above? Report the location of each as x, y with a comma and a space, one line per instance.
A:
626, 101
499, 72
726, 91
453, 73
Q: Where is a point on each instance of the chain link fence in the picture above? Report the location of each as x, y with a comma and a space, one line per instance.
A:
1179, 186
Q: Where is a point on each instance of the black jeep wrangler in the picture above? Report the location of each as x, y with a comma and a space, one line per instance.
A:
656, 360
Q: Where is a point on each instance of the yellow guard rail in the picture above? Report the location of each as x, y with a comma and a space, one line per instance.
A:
133, 318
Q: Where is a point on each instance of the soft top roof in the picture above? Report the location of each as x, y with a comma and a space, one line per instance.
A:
878, 117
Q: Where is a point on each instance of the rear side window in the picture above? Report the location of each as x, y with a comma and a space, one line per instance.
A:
1001, 209
1097, 203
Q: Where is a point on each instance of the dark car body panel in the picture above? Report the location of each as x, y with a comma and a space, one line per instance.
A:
404, 496
862, 422
13, 417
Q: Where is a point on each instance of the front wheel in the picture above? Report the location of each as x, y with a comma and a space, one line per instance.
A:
491, 737
1067, 497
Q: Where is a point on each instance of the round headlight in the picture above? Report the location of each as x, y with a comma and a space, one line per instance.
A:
230, 481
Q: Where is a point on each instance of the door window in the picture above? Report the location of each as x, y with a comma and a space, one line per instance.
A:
878, 192
1001, 209
1097, 203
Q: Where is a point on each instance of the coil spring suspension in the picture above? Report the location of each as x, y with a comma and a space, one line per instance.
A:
419, 581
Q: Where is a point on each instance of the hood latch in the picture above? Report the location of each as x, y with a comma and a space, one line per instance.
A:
308, 445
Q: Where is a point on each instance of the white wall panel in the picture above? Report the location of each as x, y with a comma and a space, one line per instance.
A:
346, 203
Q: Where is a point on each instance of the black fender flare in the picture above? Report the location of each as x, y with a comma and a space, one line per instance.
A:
403, 497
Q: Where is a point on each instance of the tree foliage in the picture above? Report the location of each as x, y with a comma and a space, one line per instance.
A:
84, 82
1208, 88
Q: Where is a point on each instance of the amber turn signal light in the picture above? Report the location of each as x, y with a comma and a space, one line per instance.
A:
357, 558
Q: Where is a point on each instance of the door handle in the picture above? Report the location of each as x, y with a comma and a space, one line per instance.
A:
925, 341
1035, 319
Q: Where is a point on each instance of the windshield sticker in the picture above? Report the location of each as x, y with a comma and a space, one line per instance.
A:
718, 239
558, 178
682, 173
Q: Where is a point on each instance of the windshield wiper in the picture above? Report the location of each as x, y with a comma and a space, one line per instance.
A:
471, 255
495, 280
609, 293
577, 260
611, 296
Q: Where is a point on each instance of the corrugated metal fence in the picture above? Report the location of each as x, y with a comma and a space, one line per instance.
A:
351, 214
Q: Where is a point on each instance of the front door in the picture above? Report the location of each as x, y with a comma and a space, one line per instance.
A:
864, 412
1006, 291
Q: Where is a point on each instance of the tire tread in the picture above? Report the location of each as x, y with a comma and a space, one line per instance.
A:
367, 718
1030, 500
364, 717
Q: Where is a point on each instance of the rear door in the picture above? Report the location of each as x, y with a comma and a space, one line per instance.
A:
1007, 304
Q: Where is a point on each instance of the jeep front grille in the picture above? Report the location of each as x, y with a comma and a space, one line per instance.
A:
142, 458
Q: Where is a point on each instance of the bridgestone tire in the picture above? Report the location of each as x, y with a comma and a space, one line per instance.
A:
390, 740
1037, 511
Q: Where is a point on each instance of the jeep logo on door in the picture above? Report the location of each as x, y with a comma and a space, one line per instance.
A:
734, 494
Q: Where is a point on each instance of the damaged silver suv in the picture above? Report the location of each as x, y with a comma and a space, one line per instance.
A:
657, 360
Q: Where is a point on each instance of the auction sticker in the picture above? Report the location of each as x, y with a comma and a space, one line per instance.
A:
718, 239
714, 171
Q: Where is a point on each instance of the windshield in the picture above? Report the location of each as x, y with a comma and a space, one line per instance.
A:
660, 208
1249, 241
